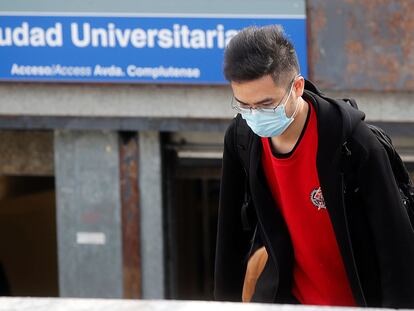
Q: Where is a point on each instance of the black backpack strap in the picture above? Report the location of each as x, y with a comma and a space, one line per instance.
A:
400, 172
244, 138
401, 175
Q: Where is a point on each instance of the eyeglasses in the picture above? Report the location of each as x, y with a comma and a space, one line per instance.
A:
267, 108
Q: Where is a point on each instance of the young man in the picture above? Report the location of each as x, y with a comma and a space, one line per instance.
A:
318, 243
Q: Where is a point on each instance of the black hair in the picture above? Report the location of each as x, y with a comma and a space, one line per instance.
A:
258, 51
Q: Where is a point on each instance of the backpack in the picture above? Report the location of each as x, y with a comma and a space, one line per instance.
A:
244, 137
400, 172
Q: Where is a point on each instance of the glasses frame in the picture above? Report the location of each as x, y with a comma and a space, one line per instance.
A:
236, 105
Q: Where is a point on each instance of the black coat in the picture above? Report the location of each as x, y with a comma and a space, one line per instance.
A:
374, 234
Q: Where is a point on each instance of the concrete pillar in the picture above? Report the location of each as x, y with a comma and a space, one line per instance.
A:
88, 214
152, 237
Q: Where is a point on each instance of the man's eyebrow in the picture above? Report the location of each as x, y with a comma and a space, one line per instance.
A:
257, 103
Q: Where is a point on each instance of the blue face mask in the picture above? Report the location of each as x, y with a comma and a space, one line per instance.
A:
269, 124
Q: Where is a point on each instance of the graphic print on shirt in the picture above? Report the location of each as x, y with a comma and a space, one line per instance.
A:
317, 198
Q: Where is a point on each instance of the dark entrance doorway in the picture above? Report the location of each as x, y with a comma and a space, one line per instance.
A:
28, 242
192, 183
28, 247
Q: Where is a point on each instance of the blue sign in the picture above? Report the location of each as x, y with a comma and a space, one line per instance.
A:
127, 49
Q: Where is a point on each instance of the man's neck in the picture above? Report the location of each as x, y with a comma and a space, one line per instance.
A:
286, 142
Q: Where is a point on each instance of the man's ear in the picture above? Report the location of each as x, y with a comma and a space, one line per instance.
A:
299, 86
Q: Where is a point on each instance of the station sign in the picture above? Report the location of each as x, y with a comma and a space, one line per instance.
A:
122, 48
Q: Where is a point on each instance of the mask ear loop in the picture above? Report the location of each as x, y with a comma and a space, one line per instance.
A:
296, 110
297, 105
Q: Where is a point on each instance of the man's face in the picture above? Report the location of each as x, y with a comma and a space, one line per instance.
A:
264, 93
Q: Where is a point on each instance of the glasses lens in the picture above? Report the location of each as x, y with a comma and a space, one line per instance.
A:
239, 107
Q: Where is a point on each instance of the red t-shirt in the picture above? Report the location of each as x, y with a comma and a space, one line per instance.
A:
319, 275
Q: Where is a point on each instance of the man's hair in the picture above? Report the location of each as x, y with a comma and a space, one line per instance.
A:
258, 51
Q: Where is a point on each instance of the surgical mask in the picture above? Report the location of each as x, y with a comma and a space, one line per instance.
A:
270, 123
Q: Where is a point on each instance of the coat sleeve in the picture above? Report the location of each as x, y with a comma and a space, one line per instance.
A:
232, 243
393, 234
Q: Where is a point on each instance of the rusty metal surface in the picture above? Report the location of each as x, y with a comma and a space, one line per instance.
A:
130, 215
361, 45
